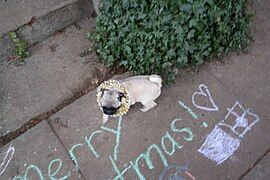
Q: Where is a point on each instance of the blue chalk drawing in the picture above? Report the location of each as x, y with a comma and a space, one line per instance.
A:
117, 139
174, 172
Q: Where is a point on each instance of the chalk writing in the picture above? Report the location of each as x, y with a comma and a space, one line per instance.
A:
174, 172
174, 144
117, 139
187, 130
9, 155
25, 174
219, 145
204, 91
119, 174
190, 175
72, 155
146, 156
193, 114
51, 175
204, 124
89, 142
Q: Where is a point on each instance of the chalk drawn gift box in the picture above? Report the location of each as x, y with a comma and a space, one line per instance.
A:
219, 145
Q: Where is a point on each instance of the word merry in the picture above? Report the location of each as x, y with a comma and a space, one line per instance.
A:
52, 174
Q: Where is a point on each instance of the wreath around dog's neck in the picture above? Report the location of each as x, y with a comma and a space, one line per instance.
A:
125, 102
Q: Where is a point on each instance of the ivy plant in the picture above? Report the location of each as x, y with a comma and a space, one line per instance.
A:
159, 35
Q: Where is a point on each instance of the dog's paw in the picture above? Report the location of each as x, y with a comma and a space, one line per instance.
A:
105, 119
148, 106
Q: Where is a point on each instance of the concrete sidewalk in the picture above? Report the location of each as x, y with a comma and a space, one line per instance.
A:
213, 124
35, 20
53, 73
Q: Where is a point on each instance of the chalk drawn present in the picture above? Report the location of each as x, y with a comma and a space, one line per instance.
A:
239, 120
204, 91
219, 146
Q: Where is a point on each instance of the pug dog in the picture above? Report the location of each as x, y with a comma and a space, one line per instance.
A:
116, 97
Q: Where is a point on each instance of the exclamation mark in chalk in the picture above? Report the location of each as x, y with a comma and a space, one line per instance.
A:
204, 124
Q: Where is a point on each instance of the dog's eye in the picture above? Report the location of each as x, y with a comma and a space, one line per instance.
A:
120, 98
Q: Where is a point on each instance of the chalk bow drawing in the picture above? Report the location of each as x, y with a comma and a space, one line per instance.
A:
241, 123
8, 156
220, 145
204, 91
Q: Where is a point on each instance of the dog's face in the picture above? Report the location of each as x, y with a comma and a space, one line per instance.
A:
110, 101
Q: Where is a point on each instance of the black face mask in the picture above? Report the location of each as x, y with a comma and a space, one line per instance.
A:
109, 110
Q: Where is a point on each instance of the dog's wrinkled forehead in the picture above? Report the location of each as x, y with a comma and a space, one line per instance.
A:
109, 97
109, 92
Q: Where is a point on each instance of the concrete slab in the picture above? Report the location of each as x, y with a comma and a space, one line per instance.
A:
7, 48
15, 13
209, 149
261, 170
36, 154
47, 25
248, 76
54, 72
250, 71
204, 127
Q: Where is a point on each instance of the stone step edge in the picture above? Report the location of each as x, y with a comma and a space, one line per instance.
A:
45, 26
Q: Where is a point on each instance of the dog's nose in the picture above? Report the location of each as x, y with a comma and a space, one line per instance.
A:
109, 110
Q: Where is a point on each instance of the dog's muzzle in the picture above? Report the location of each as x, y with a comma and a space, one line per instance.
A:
109, 110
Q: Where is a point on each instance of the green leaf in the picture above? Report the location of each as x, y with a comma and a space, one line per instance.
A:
193, 23
123, 63
191, 34
128, 49
171, 53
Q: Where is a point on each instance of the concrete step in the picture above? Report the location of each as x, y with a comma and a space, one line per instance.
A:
35, 20
53, 73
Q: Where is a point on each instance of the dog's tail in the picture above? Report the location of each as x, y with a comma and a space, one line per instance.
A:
156, 79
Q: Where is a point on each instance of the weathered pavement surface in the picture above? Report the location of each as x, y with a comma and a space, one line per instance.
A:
53, 73
213, 124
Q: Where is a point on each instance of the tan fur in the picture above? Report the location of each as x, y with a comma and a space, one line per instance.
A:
143, 89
